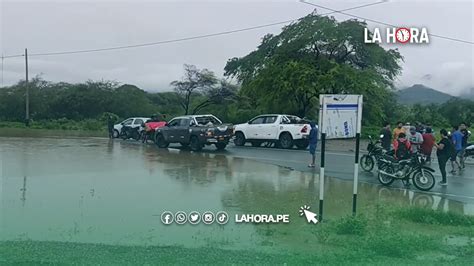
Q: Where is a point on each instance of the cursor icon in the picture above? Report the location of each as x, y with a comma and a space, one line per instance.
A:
310, 216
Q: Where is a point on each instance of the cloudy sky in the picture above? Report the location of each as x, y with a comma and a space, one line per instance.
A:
63, 25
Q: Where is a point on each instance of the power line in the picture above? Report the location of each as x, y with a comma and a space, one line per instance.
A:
381, 22
186, 38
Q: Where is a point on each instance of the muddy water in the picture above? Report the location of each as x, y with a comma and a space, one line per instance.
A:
113, 192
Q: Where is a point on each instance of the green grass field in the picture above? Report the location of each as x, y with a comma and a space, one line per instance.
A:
385, 235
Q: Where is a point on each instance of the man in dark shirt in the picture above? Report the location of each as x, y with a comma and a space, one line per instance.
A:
313, 142
110, 126
465, 138
443, 152
387, 136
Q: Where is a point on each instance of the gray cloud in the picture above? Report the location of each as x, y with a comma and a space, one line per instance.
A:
65, 25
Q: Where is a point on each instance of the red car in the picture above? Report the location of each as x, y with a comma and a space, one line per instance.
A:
150, 127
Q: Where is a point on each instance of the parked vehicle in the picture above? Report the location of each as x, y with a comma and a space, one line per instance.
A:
391, 169
375, 151
194, 131
283, 130
130, 122
468, 152
149, 128
129, 132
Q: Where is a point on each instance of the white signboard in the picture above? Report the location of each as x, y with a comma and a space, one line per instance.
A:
340, 115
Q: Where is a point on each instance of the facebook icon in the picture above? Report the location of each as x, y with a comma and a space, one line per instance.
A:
167, 217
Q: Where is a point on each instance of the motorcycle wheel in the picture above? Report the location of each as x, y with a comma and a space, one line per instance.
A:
384, 179
136, 136
367, 163
423, 180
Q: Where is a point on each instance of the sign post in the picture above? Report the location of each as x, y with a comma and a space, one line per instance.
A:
340, 117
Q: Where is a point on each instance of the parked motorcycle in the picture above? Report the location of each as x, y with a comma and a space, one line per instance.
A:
414, 168
128, 132
368, 161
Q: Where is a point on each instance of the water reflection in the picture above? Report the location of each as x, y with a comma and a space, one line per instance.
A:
109, 191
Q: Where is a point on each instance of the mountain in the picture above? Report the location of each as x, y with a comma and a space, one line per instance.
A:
421, 94
468, 94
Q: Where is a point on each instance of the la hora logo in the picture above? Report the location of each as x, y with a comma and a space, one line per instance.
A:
397, 35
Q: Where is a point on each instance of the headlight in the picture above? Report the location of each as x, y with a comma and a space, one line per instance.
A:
209, 133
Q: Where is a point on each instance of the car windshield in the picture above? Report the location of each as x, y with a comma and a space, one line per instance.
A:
207, 120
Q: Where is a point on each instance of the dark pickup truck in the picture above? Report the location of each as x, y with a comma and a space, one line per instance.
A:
194, 131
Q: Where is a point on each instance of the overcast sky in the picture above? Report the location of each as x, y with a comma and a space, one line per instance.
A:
52, 26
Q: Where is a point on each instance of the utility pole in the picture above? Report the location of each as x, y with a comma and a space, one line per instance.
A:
27, 108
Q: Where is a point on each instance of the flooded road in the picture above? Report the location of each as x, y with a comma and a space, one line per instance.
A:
113, 192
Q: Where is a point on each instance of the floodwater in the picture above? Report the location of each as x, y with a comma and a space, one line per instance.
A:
113, 192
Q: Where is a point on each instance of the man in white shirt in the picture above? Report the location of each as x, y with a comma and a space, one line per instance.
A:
415, 138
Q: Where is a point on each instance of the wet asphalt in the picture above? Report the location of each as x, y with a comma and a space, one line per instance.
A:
341, 165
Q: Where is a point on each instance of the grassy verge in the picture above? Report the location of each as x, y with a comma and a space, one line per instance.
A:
60, 124
385, 235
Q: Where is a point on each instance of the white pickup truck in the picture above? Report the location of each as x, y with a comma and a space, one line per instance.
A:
283, 130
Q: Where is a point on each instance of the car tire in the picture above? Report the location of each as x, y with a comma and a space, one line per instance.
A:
286, 141
161, 142
239, 139
194, 144
220, 146
115, 134
302, 144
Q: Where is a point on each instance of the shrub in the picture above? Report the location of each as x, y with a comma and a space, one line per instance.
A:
351, 225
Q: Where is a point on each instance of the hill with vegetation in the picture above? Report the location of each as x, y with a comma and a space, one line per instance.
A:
420, 94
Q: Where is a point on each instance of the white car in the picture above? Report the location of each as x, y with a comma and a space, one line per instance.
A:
132, 122
284, 130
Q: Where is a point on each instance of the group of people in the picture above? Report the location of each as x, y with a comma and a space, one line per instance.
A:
407, 139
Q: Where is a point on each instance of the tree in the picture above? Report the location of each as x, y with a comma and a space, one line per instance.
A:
312, 56
218, 94
194, 82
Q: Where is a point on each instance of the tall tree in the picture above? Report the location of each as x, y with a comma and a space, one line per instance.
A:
312, 56
194, 83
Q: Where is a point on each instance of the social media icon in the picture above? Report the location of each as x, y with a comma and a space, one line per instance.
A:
167, 217
194, 217
180, 217
208, 217
222, 217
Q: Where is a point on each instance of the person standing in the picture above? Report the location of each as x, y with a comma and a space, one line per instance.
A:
399, 129
466, 135
407, 127
387, 136
415, 138
456, 138
313, 142
443, 152
428, 143
110, 126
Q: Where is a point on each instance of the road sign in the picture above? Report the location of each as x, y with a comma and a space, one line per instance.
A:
340, 115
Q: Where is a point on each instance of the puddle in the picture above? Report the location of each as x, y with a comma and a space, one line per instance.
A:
113, 192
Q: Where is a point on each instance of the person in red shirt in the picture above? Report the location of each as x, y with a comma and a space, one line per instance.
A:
151, 125
402, 147
428, 143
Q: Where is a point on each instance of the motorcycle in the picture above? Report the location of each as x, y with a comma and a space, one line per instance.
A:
414, 168
368, 161
128, 132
